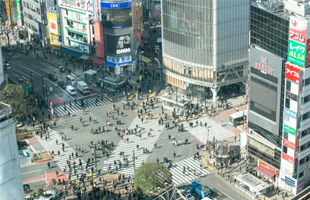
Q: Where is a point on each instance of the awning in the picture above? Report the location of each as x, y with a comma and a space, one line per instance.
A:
99, 61
126, 63
70, 52
84, 57
265, 171
109, 64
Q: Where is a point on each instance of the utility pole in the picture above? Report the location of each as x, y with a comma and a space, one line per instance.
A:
134, 159
32, 91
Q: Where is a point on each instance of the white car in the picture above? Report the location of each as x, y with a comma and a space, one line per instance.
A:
6, 66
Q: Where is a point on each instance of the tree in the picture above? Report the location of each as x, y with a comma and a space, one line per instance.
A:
150, 177
14, 95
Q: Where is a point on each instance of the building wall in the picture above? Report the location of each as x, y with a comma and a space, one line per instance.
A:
11, 186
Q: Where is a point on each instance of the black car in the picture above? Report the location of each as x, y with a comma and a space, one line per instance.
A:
62, 84
52, 76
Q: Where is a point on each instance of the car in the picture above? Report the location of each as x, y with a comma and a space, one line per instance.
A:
52, 76
51, 195
62, 84
61, 68
6, 66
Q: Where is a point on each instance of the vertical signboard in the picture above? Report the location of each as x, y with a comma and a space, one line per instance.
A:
138, 23
7, 5
299, 38
13, 12
97, 10
53, 27
18, 13
99, 40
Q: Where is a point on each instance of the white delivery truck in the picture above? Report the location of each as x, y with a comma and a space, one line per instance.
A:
71, 90
82, 86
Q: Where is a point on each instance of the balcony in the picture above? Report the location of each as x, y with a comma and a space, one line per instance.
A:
77, 31
78, 40
74, 20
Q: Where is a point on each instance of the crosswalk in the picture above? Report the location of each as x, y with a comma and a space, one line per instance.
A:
74, 107
193, 171
213, 130
50, 145
144, 142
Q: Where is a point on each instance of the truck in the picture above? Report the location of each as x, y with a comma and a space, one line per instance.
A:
202, 191
82, 86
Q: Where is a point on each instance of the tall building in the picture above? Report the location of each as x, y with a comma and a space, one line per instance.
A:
122, 25
11, 185
268, 53
35, 19
205, 44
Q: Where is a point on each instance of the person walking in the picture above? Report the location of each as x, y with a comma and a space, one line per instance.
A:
49, 165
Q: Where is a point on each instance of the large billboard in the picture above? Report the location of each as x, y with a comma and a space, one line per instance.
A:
119, 45
299, 39
18, 13
292, 73
116, 15
53, 27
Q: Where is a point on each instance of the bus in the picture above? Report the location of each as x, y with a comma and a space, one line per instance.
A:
237, 119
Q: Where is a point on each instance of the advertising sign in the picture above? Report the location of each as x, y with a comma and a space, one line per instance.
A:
260, 163
288, 144
173, 18
289, 129
119, 44
116, 5
288, 158
119, 60
145, 59
53, 27
292, 73
116, 18
18, 14
100, 53
298, 30
7, 8
289, 180
77, 4
97, 10
297, 53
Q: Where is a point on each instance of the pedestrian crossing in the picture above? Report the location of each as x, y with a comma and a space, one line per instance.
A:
212, 131
193, 170
74, 107
144, 142
50, 145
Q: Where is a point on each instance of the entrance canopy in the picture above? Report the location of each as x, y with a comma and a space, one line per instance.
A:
254, 184
265, 171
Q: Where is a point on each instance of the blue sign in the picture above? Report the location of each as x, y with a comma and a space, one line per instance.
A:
290, 113
287, 179
116, 26
119, 59
116, 5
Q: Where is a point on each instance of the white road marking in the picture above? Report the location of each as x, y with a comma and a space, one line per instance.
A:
32, 171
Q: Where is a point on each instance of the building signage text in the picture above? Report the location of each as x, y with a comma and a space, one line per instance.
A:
292, 73
289, 129
263, 66
288, 158
116, 5
288, 144
260, 163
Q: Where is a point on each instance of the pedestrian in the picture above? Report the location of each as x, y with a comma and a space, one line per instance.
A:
56, 174
56, 141
49, 165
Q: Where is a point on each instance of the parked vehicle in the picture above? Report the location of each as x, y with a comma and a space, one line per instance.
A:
6, 66
61, 69
70, 80
71, 90
52, 76
82, 86
238, 118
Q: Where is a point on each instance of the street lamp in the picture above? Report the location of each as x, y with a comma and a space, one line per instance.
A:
133, 159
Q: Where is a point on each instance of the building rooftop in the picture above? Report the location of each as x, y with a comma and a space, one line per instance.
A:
5, 110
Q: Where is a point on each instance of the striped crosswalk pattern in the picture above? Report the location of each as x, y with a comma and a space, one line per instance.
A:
213, 130
50, 145
192, 171
74, 107
144, 142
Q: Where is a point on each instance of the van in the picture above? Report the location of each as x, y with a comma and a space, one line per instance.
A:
82, 86
71, 90
71, 80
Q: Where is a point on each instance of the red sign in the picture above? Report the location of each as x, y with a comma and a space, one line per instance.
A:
99, 40
263, 66
260, 163
292, 73
287, 158
288, 144
298, 30
138, 22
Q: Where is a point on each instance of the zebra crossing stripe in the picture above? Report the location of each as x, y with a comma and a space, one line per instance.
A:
74, 107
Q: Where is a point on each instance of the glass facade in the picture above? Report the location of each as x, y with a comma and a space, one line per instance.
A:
205, 43
269, 31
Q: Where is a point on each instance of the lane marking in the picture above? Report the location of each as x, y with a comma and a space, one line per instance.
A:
32, 171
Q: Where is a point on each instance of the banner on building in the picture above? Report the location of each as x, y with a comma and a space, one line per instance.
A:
97, 10
53, 27
119, 44
99, 40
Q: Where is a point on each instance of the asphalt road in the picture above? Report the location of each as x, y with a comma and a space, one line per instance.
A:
24, 66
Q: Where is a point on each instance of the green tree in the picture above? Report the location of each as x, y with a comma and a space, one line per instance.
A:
14, 95
150, 177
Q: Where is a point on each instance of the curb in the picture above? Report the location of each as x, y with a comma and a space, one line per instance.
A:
204, 161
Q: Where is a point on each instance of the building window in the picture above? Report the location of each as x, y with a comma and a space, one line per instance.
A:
302, 161
284, 149
301, 175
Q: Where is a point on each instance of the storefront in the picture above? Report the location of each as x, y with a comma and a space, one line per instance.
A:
266, 172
